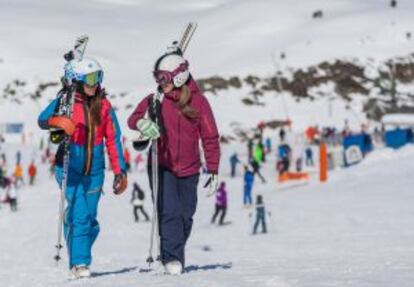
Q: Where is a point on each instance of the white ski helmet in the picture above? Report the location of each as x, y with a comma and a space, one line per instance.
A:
87, 71
172, 67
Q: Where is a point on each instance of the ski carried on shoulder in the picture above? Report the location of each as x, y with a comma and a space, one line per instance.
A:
66, 100
177, 47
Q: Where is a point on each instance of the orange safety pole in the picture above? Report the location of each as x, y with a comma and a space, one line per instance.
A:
323, 158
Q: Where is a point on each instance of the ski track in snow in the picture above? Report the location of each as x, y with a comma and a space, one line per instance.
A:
355, 230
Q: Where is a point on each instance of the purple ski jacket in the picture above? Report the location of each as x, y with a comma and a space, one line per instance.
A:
221, 197
178, 146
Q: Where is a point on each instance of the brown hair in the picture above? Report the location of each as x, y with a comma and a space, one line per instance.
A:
96, 106
184, 103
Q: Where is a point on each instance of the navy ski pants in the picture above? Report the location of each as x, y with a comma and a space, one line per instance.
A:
176, 206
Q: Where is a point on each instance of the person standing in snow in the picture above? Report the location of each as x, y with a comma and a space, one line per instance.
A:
309, 156
248, 186
137, 202
32, 173
18, 157
18, 175
221, 204
250, 145
260, 215
92, 126
185, 119
268, 143
234, 160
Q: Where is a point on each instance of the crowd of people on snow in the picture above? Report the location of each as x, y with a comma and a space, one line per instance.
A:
12, 180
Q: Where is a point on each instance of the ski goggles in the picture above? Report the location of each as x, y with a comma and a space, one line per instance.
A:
92, 79
165, 77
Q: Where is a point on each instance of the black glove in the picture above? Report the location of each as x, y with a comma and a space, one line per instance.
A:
120, 183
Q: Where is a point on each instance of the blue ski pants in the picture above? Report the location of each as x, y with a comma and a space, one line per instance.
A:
247, 196
80, 225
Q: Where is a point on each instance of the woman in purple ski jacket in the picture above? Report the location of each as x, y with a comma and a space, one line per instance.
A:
185, 119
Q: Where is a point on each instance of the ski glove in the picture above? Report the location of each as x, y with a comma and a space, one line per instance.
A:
120, 183
64, 123
211, 184
148, 129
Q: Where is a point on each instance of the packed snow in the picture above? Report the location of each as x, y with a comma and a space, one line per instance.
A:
355, 230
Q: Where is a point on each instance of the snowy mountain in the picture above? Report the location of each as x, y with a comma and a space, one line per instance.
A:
235, 38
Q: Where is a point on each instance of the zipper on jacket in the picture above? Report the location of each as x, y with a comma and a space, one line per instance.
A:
89, 138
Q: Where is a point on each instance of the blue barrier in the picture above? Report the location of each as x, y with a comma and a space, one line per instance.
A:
363, 142
398, 138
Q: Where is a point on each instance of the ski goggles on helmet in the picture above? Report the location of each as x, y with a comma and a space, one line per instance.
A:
92, 79
165, 77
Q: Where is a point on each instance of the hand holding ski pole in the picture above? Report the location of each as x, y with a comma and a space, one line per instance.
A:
120, 183
148, 129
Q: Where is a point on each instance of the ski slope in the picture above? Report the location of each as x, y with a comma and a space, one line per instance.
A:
234, 38
355, 230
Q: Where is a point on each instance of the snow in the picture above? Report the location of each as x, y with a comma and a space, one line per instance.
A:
233, 38
356, 230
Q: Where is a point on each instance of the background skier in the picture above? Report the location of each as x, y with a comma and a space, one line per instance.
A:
32, 171
185, 119
137, 202
221, 204
234, 160
248, 186
260, 215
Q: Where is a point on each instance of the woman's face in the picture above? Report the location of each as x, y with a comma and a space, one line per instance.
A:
167, 88
90, 91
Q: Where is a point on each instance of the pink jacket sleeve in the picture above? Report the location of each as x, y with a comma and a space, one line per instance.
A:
209, 136
138, 113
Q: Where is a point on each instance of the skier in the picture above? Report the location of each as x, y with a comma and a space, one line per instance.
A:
18, 175
282, 135
32, 172
256, 169
137, 202
234, 160
12, 194
309, 156
184, 118
268, 143
221, 204
93, 124
250, 148
284, 158
18, 157
248, 186
259, 153
260, 215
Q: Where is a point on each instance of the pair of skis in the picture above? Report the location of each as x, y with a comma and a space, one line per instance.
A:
180, 48
66, 109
